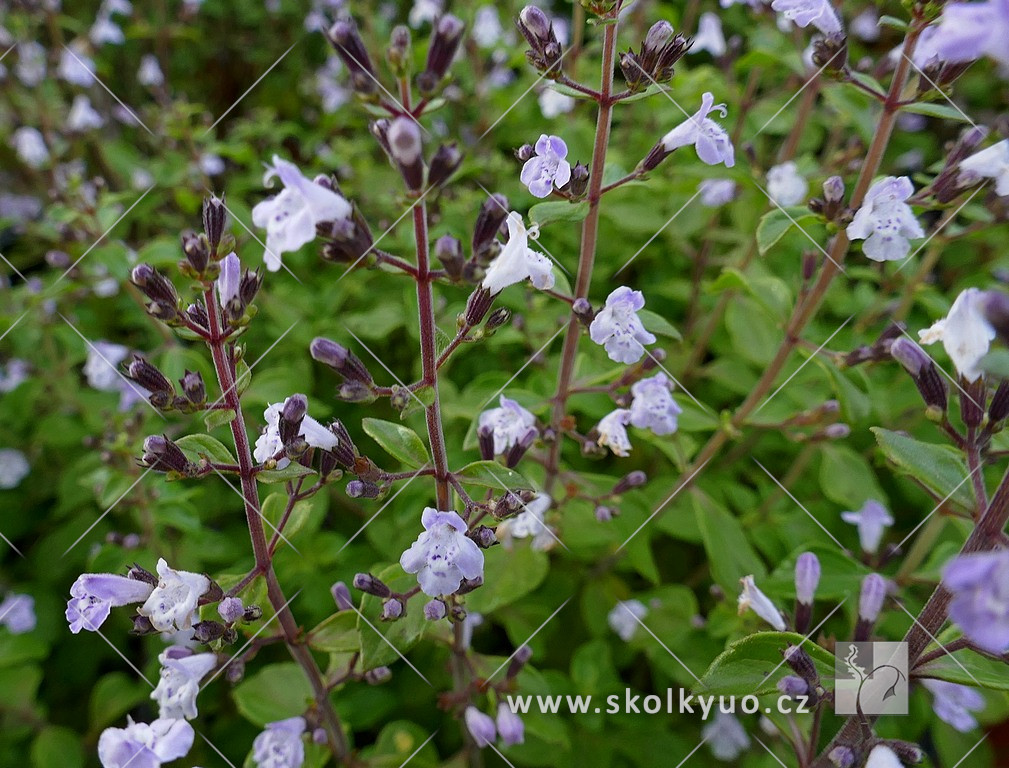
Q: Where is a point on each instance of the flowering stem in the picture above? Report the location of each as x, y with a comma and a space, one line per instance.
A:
224, 367
590, 234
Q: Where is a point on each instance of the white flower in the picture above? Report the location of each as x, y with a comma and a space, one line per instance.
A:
211, 164
14, 467
554, 103
425, 11
76, 66
17, 613
865, 26
104, 30
872, 521
710, 140
819, 13
612, 430
964, 332
173, 601
725, 737
442, 556
290, 217
991, 163
83, 117
717, 192
269, 443
517, 261
753, 599
160, 742
280, 745
100, 368
883, 757
31, 66
149, 74
625, 618
529, 523
511, 424
786, 185
653, 407
487, 29
30, 146
618, 328
709, 35
885, 221
181, 672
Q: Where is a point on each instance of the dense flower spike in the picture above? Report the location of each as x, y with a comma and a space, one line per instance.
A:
548, 168
181, 672
885, 220
618, 328
280, 745
142, 745
653, 406
290, 218
173, 602
94, 595
965, 333
711, 140
872, 521
517, 261
625, 618
751, 598
980, 606
443, 555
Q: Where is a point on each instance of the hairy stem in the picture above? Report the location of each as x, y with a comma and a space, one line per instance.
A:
587, 253
225, 369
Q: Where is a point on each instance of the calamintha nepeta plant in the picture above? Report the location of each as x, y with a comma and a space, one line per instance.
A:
489, 501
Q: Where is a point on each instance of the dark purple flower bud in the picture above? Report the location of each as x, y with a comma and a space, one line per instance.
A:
362, 489
448, 250
347, 42
654, 158
441, 51
842, 757
604, 514
837, 431
630, 480
235, 671
488, 222
154, 285
485, 437
341, 596
197, 250
446, 160
149, 377
802, 664
534, 25
833, 189
477, 306
999, 408
519, 660
380, 130
291, 415
252, 613
518, 450
345, 451
141, 574
908, 753
579, 180
497, 318
468, 585
215, 216
658, 35
319, 736
368, 583
483, 536
399, 50
405, 146
58, 259
392, 609
995, 308
582, 309
870, 603
791, 685
197, 314
926, 377
231, 609
340, 359
910, 355
193, 387
142, 626
525, 152
208, 631
434, 610
348, 240
830, 52
378, 675
163, 455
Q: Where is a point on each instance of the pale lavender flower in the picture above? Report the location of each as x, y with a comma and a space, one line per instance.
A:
230, 609
290, 218
819, 13
179, 682
653, 406
709, 36
94, 595
149, 74
105, 30
13, 374
865, 26
725, 737
100, 367
807, 577
17, 613
710, 140
965, 333
612, 430
14, 468
516, 261
30, 146
480, 726
330, 87
31, 65
872, 597
786, 185
885, 221
548, 167
76, 66
442, 556
487, 29
434, 610
229, 282
717, 192
954, 703
211, 164
511, 424
991, 163
872, 521
509, 726
83, 117
751, 598
529, 523
269, 444
980, 606
553, 103
173, 602
140, 745
425, 12
970, 30
280, 745
618, 328
625, 618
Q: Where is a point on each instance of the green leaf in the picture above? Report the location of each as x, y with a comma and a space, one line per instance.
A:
996, 363
846, 478
292, 471
944, 111
967, 668
508, 576
199, 445
729, 553
57, 747
243, 377
657, 324
490, 474
559, 210
218, 418
336, 634
747, 666
892, 21
276, 692
398, 441
938, 467
774, 225
113, 696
